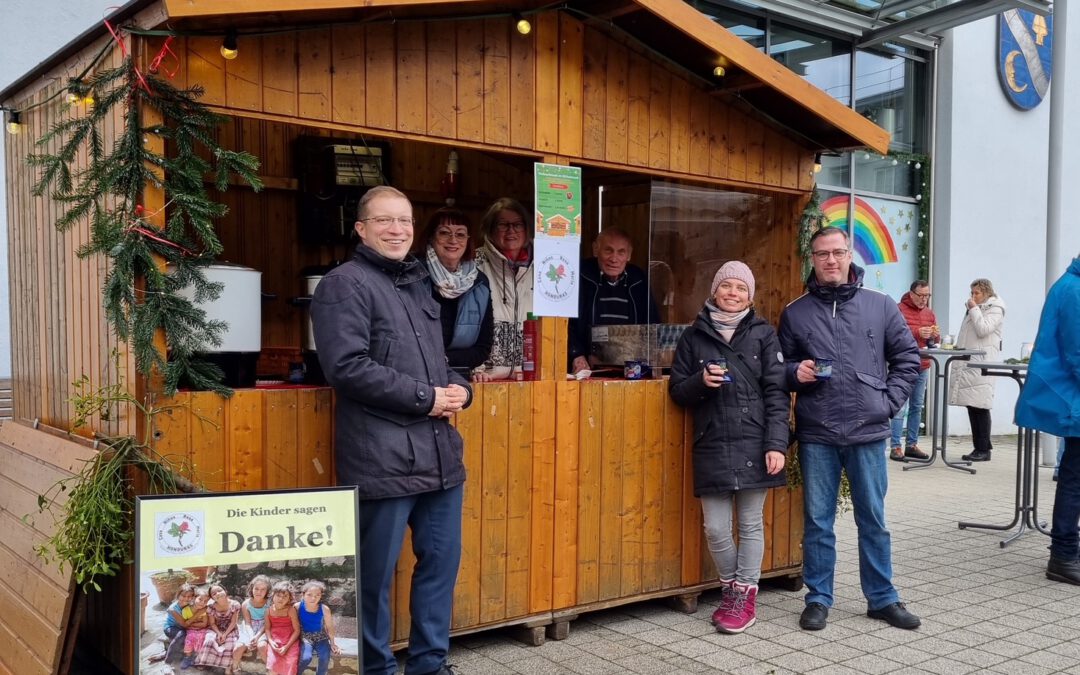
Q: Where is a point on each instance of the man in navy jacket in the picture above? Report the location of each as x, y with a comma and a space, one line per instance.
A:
852, 362
613, 292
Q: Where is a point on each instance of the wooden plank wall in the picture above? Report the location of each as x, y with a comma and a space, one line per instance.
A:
579, 495
565, 89
38, 595
257, 440
58, 328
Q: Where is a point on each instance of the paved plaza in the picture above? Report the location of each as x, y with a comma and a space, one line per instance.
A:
984, 608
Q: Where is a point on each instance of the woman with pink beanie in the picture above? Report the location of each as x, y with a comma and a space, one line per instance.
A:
729, 372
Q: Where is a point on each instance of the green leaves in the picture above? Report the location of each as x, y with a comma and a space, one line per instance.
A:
109, 192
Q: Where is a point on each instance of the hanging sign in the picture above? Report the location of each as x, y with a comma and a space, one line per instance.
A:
188, 548
1025, 41
556, 240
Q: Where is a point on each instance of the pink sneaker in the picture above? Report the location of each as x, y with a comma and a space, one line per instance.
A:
743, 612
726, 601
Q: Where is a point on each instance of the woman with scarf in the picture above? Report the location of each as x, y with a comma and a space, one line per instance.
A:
506, 258
729, 372
461, 290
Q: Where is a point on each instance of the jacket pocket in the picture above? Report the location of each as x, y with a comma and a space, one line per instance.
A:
875, 403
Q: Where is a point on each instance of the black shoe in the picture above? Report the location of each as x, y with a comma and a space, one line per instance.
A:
1067, 571
814, 616
977, 456
895, 615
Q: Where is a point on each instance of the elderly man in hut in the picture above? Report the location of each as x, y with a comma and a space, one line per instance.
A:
380, 344
850, 357
613, 292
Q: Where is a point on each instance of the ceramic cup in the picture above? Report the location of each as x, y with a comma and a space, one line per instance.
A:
823, 368
720, 364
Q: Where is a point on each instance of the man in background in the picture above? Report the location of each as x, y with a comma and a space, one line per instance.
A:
915, 306
613, 292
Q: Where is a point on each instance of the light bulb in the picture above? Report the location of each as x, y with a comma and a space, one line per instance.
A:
719, 71
918, 165
72, 97
817, 163
13, 125
228, 45
522, 24
89, 100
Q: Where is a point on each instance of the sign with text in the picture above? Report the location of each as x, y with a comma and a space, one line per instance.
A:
557, 239
205, 557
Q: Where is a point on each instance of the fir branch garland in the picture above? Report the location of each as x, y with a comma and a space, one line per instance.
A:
139, 297
812, 220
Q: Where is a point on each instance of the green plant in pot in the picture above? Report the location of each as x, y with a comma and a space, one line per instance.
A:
168, 583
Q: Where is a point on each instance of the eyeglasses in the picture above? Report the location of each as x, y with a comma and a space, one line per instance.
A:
822, 256
447, 235
383, 221
505, 225
924, 296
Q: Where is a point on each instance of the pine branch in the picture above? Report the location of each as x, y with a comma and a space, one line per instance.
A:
139, 297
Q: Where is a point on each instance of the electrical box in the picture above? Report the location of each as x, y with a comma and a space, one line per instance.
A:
333, 174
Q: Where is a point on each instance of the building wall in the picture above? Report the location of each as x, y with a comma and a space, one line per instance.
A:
25, 41
991, 192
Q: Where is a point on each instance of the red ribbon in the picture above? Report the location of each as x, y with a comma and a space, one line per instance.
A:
166, 50
123, 50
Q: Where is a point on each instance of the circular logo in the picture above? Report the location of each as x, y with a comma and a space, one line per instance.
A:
555, 278
179, 533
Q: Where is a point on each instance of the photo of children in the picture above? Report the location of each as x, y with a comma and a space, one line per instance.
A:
247, 582
283, 617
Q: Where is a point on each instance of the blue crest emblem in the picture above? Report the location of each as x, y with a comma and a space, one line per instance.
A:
1024, 45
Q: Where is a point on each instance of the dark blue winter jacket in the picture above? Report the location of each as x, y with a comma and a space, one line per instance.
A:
875, 361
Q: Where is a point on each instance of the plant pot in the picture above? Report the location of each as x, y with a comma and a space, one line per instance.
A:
144, 600
167, 584
198, 574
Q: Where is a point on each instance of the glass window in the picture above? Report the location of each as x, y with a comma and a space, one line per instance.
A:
821, 60
886, 175
835, 171
891, 91
746, 26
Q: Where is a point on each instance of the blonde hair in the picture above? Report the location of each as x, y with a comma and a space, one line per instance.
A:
373, 194
985, 286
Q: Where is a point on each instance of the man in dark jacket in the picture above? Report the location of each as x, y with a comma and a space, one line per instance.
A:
379, 340
851, 360
613, 292
915, 308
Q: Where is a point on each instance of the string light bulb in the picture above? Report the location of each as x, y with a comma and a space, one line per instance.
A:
89, 99
719, 71
817, 163
522, 24
13, 125
72, 97
228, 45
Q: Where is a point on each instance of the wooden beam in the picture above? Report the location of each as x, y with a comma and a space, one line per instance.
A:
202, 8
744, 56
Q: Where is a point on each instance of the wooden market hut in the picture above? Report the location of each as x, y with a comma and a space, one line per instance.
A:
579, 493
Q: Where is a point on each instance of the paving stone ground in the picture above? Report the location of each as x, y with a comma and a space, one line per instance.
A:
985, 609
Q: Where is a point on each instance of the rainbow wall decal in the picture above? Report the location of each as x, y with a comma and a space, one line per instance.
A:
873, 242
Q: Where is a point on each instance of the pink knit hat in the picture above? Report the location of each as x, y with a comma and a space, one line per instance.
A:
733, 269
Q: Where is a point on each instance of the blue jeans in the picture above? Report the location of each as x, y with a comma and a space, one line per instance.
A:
866, 470
435, 521
309, 650
912, 410
1064, 536
175, 650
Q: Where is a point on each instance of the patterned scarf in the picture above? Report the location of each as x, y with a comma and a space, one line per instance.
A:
723, 322
451, 284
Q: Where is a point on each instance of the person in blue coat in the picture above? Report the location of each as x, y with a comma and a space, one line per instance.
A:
1050, 402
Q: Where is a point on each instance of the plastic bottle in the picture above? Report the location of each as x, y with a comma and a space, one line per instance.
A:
530, 347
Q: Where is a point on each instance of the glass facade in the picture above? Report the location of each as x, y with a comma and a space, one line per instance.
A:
889, 87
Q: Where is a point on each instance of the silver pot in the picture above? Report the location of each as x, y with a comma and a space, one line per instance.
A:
239, 306
310, 283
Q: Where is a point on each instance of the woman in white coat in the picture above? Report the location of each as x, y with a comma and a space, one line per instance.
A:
980, 330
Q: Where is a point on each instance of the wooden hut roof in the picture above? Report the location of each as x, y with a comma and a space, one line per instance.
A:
673, 29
